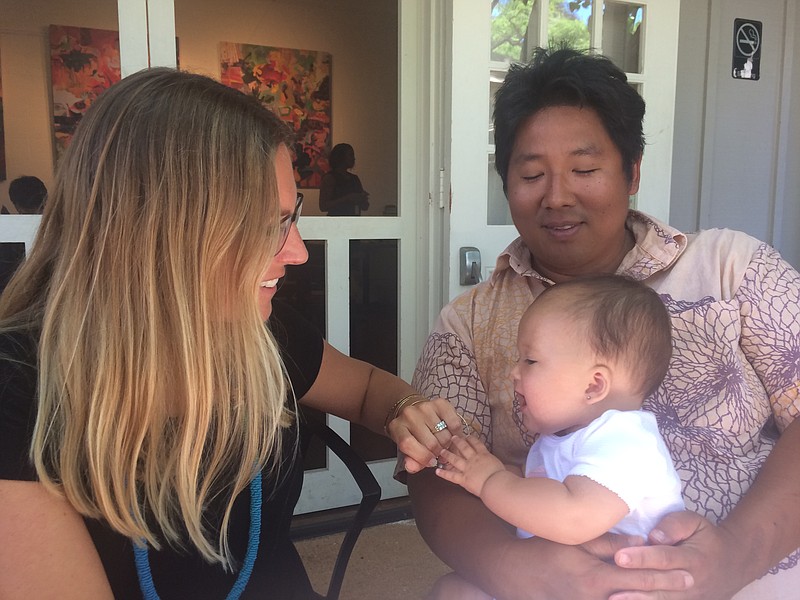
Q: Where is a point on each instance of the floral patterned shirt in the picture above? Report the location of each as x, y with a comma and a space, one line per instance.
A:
733, 383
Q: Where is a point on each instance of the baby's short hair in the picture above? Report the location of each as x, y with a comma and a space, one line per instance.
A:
625, 321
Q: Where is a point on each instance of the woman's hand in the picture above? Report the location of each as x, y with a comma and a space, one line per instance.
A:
687, 541
414, 432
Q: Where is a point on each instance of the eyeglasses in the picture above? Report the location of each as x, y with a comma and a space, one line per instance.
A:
287, 222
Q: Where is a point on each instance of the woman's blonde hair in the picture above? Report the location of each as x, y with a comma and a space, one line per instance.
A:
160, 388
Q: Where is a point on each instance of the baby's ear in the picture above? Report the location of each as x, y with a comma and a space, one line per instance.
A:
600, 384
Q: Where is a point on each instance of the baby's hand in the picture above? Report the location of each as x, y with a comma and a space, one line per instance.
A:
468, 463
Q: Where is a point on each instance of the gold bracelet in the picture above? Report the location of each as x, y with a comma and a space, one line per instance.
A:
405, 403
398, 406
398, 403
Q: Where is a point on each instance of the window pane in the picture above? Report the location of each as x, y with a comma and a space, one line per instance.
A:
373, 324
514, 35
11, 255
496, 77
304, 289
498, 212
316, 66
304, 285
512, 32
622, 40
568, 24
633, 201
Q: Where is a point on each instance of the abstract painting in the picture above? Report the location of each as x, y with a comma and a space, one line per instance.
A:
83, 63
296, 84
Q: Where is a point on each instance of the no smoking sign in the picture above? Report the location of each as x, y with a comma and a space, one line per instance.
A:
746, 49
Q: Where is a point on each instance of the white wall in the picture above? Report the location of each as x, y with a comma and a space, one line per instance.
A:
360, 34
788, 220
689, 100
736, 141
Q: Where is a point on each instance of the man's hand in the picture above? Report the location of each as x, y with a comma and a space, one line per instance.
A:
575, 572
687, 541
485, 551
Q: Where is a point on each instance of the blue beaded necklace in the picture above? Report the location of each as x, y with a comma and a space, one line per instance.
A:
140, 553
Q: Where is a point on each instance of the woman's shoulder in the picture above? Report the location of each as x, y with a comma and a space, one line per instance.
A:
47, 548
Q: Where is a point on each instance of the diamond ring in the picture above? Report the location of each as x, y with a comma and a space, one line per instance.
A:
440, 426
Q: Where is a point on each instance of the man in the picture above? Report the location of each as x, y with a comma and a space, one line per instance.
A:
568, 135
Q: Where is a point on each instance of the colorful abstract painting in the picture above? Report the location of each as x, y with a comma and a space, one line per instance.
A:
83, 63
296, 84
2, 134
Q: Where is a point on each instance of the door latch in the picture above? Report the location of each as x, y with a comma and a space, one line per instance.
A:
469, 265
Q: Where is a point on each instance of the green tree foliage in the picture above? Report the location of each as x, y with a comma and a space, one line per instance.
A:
565, 28
510, 19
571, 33
510, 28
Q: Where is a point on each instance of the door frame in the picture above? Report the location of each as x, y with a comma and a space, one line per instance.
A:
469, 106
147, 38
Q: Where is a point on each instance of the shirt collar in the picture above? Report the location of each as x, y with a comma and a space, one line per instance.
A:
657, 246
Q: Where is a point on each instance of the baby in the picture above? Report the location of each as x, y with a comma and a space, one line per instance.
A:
590, 351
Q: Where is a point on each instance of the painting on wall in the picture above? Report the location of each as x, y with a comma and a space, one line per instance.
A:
2, 134
83, 63
296, 84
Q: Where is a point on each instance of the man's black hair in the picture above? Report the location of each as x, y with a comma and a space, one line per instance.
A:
566, 77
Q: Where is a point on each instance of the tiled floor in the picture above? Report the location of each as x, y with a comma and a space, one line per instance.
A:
390, 562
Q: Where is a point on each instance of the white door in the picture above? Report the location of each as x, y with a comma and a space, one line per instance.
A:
352, 250
640, 36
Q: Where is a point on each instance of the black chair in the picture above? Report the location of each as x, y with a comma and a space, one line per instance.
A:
312, 426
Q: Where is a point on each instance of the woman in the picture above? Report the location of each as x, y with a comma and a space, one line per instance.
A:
569, 142
147, 434
341, 193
